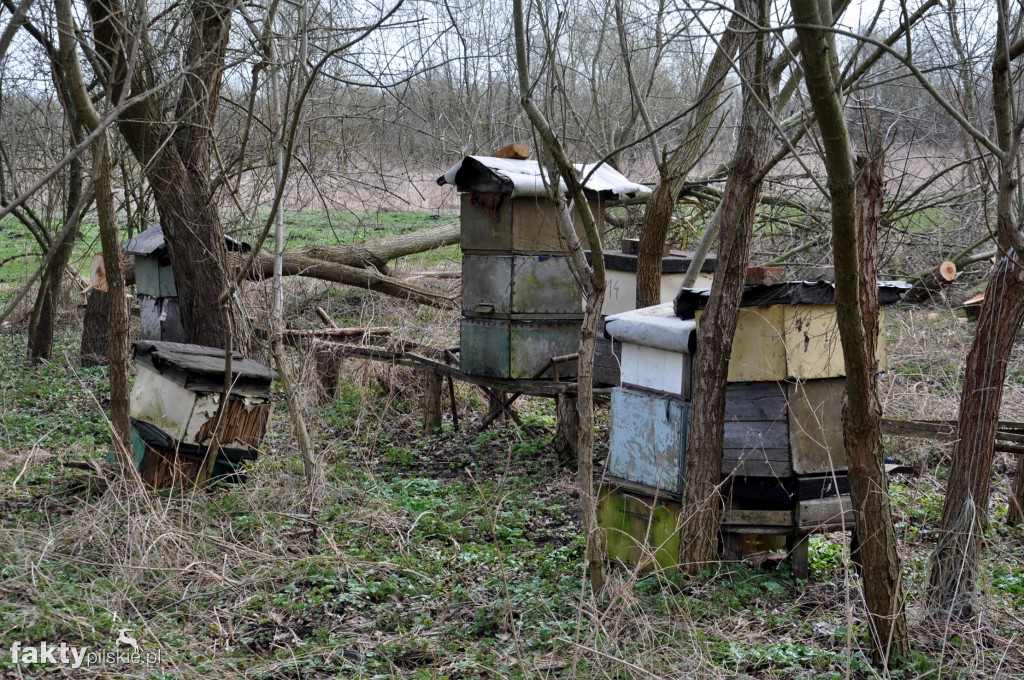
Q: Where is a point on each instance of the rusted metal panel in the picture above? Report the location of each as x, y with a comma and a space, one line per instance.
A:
816, 426
524, 225
648, 439
517, 348
536, 285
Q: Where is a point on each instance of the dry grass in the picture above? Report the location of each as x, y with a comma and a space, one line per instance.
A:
455, 555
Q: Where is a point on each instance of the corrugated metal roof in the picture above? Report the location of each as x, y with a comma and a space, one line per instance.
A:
527, 178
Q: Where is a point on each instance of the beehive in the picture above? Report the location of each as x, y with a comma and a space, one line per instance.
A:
783, 458
177, 409
521, 305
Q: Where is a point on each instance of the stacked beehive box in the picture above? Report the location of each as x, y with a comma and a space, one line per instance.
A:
783, 459
521, 305
620, 296
178, 409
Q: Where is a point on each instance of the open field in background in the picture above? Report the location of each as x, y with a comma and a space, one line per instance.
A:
456, 555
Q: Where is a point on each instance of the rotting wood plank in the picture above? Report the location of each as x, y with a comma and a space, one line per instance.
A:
825, 512
756, 435
767, 518
1007, 432
755, 467
756, 401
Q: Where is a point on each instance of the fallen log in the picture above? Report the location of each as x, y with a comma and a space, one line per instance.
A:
378, 252
298, 265
353, 265
335, 332
931, 283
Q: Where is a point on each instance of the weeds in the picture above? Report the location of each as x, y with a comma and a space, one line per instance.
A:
455, 555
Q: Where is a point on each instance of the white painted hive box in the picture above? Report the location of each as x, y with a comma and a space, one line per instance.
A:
657, 349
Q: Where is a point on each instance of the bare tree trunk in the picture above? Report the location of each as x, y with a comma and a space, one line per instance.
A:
701, 502
44, 313
378, 252
176, 154
592, 281
95, 333
674, 171
862, 423
856, 308
117, 304
953, 581
117, 311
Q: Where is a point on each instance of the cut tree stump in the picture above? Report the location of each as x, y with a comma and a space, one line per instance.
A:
95, 336
932, 284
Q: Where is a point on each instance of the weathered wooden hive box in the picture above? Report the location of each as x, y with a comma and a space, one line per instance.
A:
159, 313
620, 269
620, 297
783, 459
521, 305
177, 407
154, 282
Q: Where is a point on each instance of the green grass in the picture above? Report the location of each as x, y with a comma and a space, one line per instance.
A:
454, 555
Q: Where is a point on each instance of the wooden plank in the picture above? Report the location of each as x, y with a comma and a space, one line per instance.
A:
648, 439
746, 453
756, 435
637, 529
758, 351
755, 401
531, 387
828, 486
816, 426
825, 512
752, 467
656, 369
764, 518
812, 342
946, 430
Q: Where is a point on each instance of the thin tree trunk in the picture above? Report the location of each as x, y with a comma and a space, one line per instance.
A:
95, 333
44, 313
862, 426
674, 171
295, 407
953, 580
856, 308
592, 281
701, 504
117, 311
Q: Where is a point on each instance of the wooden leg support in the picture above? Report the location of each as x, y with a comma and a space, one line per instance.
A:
797, 547
432, 402
567, 416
